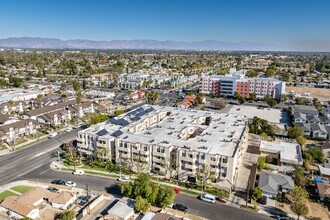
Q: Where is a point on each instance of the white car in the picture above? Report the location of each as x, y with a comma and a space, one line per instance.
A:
123, 179
52, 135
68, 129
78, 172
207, 198
70, 183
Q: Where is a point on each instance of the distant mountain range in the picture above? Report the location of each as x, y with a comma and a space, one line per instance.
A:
52, 43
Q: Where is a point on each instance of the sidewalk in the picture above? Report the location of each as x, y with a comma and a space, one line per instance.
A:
55, 165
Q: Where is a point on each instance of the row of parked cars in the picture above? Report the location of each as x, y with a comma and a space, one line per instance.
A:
64, 183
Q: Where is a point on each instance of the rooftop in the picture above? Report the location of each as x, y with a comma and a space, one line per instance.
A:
289, 152
202, 131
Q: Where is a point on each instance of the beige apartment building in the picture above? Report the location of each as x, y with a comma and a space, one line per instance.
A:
181, 143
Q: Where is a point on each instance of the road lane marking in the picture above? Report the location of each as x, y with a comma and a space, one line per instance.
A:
44, 171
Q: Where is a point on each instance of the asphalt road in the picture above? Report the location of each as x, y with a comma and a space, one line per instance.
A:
20, 162
99, 183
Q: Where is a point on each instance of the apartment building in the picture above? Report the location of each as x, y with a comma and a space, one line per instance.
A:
157, 137
236, 81
60, 113
11, 132
132, 80
17, 94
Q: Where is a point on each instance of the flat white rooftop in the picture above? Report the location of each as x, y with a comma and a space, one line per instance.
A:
289, 152
220, 136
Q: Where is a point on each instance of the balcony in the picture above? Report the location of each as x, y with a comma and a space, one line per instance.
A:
156, 153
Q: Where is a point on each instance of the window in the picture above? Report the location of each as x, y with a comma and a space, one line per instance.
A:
212, 158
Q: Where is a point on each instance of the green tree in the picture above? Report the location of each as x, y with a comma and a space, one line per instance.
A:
251, 73
261, 163
253, 96
308, 158
119, 112
299, 176
76, 85
166, 196
241, 100
98, 118
66, 215
142, 186
300, 208
299, 199
142, 205
295, 131
17, 82
317, 154
301, 140
256, 193
79, 97
84, 84
126, 188
39, 97
284, 98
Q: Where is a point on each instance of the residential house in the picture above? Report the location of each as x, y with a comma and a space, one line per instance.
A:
19, 129
60, 113
314, 124
323, 189
122, 210
29, 203
188, 101
7, 119
64, 200
19, 210
326, 149
273, 183
324, 170
284, 153
319, 131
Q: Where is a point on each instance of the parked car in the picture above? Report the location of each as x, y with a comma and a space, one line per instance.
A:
123, 179
207, 198
70, 183
68, 129
53, 189
180, 207
52, 135
58, 182
262, 200
78, 172
221, 200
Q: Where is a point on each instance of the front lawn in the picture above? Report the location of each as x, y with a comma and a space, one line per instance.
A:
21, 189
5, 194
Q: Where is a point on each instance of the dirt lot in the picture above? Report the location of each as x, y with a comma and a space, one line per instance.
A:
321, 94
315, 210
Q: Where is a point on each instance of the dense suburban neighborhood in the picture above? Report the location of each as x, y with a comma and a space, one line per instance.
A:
164, 135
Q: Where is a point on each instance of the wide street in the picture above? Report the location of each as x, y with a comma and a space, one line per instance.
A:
22, 161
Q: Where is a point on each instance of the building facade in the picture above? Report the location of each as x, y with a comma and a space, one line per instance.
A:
181, 143
236, 81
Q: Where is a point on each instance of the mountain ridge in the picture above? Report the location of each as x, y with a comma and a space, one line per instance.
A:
211, 45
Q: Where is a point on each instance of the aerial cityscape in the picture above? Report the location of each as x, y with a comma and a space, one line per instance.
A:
164, 110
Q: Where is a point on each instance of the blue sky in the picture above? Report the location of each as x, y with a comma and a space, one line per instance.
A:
304, 23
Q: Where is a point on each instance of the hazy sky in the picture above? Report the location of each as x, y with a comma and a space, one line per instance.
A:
294, 23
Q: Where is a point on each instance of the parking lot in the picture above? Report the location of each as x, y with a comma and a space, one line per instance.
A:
276, 116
